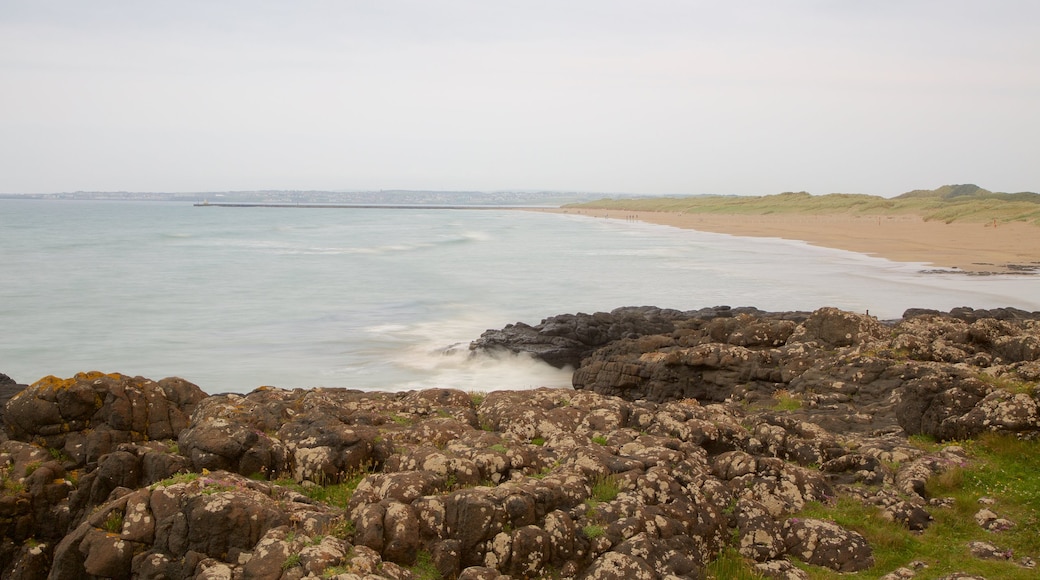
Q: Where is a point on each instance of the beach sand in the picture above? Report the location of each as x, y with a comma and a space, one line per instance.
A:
969, 247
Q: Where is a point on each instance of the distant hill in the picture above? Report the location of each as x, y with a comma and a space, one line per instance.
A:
969, 190
949, 203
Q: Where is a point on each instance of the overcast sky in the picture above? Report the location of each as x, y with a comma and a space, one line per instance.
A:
648, 96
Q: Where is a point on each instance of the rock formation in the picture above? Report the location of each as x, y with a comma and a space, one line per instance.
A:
687, 435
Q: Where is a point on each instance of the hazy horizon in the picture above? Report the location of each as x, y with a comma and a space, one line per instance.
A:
662, 97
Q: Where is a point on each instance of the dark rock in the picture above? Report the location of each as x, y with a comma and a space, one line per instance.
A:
8, 389
566, 339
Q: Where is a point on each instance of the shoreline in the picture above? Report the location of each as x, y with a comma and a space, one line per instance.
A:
971, 248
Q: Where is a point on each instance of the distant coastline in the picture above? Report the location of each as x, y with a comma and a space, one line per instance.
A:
395, 198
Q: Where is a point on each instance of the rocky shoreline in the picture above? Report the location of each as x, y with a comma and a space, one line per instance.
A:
687, 436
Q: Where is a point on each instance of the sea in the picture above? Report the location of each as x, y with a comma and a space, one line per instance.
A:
388, 299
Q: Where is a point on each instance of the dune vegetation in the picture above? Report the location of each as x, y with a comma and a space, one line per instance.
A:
950, 203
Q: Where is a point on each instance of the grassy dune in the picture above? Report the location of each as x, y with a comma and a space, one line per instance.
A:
951, 203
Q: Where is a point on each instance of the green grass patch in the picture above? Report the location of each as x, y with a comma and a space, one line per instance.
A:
539, 441
599, 440
178, 478
334, 494
593, 531
1004, 468
605, 488
424, 569
342, 528
785, 401
291, 562
1007, 383
12, 486
400, 420
114, 522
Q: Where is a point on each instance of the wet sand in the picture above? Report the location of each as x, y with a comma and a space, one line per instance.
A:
969, 247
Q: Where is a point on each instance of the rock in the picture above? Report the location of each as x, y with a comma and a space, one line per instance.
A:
902, 573
987, 551
614, 565
836, 328
989, 520
8, 389
219, 516
481, 573
761, 536
320, 435
827, 544
88, 415
565, 339
780, 570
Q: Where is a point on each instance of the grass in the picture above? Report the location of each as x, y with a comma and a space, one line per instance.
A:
8, 485
174, 480
593, 531
342, 528
424, 569
1007, 383
1005, 469
730, 565
400, 420
785, 401
291, 562
599, 440
605, 488
333, 494
114, 523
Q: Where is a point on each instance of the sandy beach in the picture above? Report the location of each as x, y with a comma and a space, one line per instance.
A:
969, 247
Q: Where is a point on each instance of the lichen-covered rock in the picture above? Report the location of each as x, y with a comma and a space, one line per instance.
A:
761, 536
827, 544
988, 551
89, 414
837, 328
780, 570
164, 530
613, 565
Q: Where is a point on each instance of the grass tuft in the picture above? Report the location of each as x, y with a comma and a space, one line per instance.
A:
605, 488
424, 569
730, 565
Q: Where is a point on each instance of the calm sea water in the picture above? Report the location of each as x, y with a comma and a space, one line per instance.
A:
232, 299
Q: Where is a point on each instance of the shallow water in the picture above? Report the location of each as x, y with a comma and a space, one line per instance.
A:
235, 298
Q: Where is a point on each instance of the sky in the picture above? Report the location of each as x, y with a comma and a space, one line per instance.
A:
651, 97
